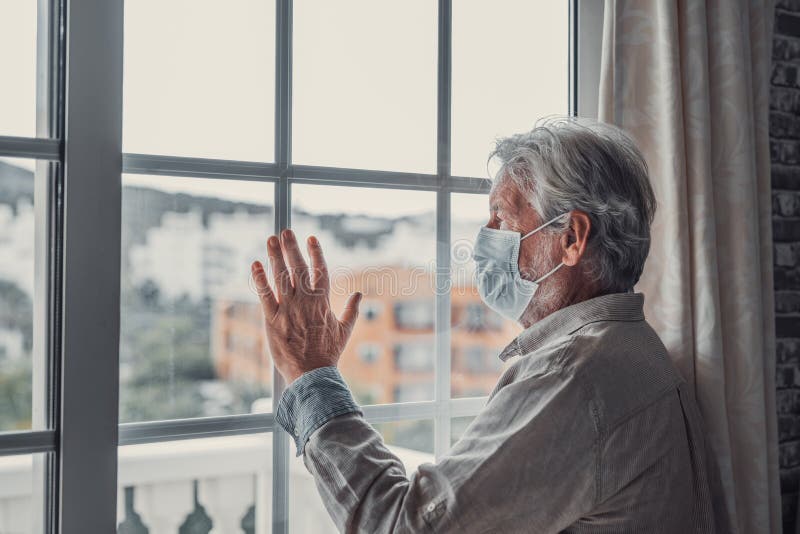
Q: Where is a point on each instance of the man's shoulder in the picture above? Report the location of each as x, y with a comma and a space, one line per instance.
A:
623, 366
545, 359
541, 368
620, 367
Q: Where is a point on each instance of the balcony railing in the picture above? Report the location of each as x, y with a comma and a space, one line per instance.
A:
201, 486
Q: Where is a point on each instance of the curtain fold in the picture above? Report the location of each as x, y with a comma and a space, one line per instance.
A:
689, 81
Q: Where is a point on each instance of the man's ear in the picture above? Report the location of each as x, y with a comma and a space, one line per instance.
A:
574, 240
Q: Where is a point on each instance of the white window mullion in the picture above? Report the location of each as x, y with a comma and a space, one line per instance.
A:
442, 275
442, 284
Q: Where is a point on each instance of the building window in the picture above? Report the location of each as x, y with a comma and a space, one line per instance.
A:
370, 310
369, 353
412, 357
414, 314
474, 359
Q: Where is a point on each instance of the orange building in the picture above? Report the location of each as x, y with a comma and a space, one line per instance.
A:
238, 342
391, 353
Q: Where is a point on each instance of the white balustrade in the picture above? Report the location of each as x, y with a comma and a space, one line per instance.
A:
233, 473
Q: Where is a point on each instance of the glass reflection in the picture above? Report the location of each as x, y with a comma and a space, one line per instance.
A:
219, 484
192, 340
380, 242
17, 224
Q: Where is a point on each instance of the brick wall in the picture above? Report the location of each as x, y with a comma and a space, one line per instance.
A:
785, 150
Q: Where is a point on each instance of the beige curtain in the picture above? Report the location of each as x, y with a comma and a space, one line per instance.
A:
689, 80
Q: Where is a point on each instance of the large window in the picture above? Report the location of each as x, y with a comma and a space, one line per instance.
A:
356, 159
191, 342
364, 123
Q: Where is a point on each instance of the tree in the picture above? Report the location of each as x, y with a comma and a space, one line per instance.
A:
16, 311
16, 395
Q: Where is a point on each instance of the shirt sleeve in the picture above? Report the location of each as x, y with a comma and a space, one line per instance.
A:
527, 463
311, 401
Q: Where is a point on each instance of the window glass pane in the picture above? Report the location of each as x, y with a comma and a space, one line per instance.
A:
478, 334
192, 338
21, 493
510, 67
307, 514
199, 78
18, 65
365, 84
458, 425
411, 441
416, 436
16, 292
380, 242
221, 482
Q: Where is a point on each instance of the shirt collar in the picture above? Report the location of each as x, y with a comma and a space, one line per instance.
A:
612, 307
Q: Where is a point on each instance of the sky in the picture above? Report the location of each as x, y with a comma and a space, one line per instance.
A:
198, 81
18, 65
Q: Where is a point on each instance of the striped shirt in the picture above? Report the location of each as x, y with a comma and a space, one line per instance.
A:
590, 430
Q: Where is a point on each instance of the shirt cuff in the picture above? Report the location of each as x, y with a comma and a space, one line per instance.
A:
311, 401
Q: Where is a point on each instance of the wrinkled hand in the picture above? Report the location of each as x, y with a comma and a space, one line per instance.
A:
302, 331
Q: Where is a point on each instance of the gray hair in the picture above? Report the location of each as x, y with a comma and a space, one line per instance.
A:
565, 164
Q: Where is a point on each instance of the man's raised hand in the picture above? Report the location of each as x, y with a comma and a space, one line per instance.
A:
302, 331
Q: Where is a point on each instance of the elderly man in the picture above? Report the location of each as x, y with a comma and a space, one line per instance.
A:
591, 429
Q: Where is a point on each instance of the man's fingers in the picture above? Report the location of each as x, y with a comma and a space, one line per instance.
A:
297, 264
265, 295
283, 283
350, 313
319, 269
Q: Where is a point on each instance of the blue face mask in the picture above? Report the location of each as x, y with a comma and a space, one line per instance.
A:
500, 284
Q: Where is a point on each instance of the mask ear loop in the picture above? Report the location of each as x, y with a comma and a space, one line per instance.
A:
548, 223
554, 269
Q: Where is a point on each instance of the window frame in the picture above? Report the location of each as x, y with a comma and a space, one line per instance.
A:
79, 129
46, 150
